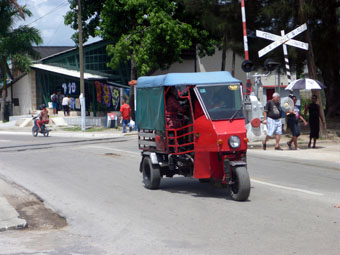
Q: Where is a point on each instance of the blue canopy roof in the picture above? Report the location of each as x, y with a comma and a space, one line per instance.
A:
177, 79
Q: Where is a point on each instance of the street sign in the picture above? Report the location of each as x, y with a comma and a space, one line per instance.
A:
272, 37
280, 40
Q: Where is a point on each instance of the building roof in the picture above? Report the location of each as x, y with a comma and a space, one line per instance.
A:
68, 72
47, 51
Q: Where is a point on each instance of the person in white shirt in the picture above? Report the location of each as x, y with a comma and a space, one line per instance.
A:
66, 108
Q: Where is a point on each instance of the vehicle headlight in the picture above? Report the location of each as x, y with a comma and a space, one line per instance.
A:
234, 142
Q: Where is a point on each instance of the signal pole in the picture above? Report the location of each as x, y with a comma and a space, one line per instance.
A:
245, 42
81, 69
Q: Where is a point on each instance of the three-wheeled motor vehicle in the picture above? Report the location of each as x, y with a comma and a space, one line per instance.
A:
193, 124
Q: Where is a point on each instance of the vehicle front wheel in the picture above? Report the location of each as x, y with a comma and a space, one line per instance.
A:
35, 131
240, 189
151, 174
46, 132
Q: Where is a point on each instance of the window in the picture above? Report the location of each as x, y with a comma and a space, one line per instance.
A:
222, 101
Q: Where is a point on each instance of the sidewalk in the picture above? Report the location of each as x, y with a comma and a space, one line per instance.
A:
327, 150
9, 217
57, 131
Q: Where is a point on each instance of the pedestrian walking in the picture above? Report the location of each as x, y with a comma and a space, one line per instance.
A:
314, 120
293, 123
60, 101
272, 117
54, 99
65, 104
125, 111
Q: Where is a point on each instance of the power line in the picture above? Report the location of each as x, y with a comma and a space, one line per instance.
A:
55, 32
58, 7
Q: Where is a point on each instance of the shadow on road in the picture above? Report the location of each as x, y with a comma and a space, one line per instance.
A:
189, 186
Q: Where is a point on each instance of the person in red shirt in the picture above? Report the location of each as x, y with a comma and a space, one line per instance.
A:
43, 117
125, 111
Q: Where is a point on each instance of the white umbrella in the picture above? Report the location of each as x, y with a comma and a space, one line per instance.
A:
305, 84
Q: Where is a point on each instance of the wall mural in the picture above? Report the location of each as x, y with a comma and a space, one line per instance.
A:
108, 95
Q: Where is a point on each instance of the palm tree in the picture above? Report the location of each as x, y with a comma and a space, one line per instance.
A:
15, 43
18, 7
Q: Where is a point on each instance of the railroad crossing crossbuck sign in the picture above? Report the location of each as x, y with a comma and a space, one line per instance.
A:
284, 40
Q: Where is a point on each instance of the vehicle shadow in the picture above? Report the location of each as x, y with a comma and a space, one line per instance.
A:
190, 186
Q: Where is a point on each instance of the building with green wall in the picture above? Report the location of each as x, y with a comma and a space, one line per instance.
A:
104, 87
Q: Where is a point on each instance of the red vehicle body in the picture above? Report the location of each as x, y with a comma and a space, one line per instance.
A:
206, 141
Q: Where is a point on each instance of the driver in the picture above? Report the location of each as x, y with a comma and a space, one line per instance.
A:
43, 117
173, 107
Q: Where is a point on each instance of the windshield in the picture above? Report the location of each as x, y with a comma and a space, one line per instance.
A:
222, 101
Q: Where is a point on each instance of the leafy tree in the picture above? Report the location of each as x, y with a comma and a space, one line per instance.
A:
148, 34
91, 11
153, 34
222, 19
322, 18
15, 44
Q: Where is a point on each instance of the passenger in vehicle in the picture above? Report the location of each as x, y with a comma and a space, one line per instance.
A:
173, 107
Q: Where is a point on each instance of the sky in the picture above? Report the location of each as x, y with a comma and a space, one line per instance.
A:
48, 17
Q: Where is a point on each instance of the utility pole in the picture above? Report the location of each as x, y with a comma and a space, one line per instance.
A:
81, 69
311, 66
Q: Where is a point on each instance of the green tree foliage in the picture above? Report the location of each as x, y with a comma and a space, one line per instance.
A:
16, 44
91, 11
153, 34
322, 18
222, 20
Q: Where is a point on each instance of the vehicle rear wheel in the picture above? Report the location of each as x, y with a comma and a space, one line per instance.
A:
240, 189
151, 174
46, 133
35, 131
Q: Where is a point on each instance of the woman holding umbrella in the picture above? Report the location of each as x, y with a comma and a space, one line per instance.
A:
293, 123
315, 109
314, 116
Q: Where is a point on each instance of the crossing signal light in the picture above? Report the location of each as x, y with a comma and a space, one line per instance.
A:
247, 66
270, 64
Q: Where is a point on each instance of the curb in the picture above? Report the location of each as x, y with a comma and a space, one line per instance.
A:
9, 217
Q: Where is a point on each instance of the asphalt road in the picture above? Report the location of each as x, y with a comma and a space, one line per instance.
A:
96, 186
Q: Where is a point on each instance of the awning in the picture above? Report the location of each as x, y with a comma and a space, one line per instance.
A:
67, 72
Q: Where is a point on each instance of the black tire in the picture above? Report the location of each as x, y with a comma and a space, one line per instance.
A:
240, 189
46, 133
35, 131
151, 174
204, 180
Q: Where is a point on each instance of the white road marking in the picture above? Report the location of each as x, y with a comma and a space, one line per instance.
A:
287, 188
252, 179
5, 141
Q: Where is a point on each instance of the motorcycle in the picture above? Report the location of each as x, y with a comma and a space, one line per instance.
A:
44, 130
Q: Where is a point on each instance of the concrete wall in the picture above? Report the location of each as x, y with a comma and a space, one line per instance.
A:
25, 90
213, 63
90, 121
22, 91
207, 64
